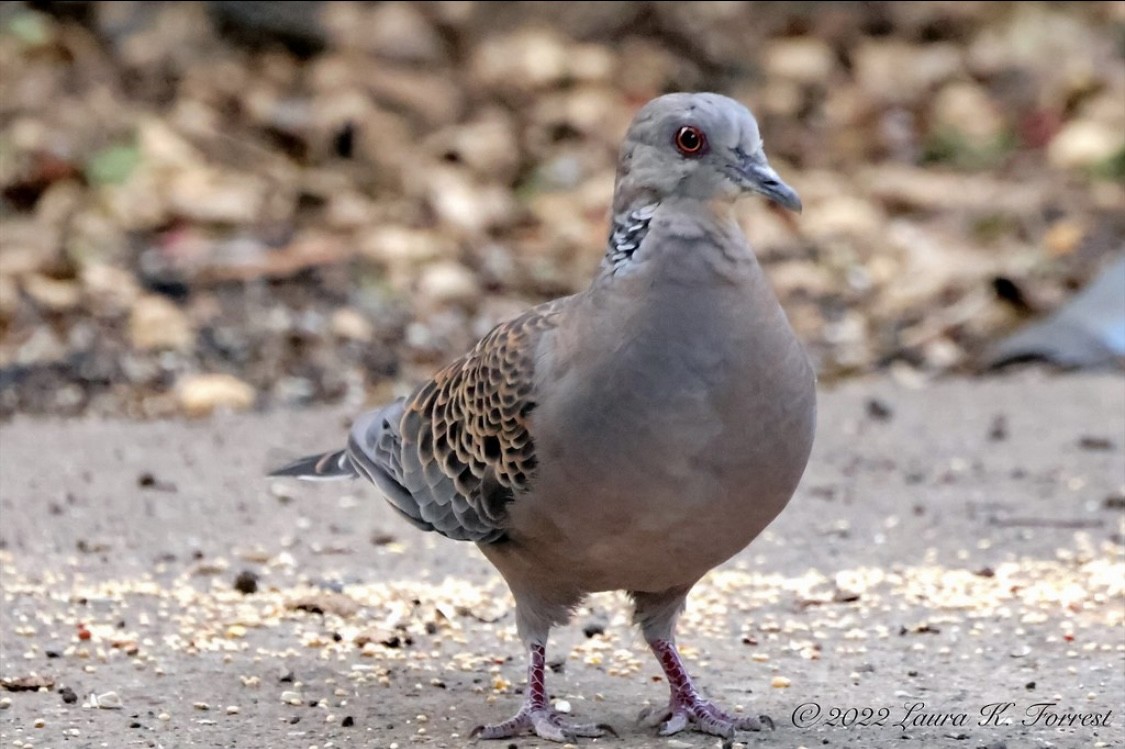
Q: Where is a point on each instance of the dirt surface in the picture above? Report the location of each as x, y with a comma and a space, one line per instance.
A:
958, 546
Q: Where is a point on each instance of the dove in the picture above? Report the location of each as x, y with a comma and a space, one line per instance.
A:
631, 437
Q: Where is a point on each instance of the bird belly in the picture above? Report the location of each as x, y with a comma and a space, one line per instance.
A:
654, 503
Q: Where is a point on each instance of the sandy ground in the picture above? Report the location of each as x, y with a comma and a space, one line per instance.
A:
951, 550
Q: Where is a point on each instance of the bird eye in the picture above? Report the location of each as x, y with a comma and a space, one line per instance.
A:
690, 140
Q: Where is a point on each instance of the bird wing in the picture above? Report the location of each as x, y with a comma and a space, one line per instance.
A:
454, 454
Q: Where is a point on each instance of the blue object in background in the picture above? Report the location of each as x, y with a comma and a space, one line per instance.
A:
1088, 331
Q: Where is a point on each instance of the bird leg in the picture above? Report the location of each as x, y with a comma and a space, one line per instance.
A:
686, 706
536, 715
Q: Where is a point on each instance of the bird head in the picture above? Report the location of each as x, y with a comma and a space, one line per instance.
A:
700, 146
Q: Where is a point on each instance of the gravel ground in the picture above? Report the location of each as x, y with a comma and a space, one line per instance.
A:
957, 546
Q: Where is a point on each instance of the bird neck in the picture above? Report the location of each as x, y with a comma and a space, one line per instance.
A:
707, 225
627, 231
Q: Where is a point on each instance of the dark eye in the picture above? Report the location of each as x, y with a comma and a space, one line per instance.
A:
690, 140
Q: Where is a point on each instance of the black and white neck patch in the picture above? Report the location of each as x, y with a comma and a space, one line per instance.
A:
626, 236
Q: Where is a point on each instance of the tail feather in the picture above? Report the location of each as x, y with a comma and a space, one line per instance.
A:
330, 466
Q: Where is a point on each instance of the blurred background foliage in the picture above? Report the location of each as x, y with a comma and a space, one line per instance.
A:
260, 204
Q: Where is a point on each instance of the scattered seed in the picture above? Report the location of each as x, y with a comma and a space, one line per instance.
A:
327, 602
29, 683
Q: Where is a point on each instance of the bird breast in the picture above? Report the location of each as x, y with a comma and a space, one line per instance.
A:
677, 433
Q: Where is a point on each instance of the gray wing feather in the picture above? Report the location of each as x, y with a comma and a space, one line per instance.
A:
419, 491
452, 456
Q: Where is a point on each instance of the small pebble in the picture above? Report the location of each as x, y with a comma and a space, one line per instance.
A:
246, 582
233, 709
39, 723
1091, 442
779, 682
201, 394
593, 629
350, 324
998, 430
879, 410
164, 716
106, 701
5, 703
563, 706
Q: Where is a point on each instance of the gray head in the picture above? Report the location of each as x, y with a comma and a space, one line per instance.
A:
700, 146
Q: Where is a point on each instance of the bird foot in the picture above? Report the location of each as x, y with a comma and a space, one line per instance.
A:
704, 716
545, 722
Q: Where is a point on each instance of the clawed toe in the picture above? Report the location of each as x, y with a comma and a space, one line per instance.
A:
545, 723
703, 717
651, 717
675, 724
755, 723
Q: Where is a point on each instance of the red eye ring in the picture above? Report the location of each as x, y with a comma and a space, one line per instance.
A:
690, 141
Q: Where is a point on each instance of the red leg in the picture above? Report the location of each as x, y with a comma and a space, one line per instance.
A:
536, 715
687, 706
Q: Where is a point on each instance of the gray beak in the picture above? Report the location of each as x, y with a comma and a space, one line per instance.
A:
755, 174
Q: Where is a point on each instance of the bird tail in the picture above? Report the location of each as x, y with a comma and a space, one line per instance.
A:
330, 466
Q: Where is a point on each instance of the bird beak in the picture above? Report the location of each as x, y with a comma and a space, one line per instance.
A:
756, 175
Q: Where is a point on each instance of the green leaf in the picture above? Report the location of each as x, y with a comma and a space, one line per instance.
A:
1112, 168
31, 28
113, 165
